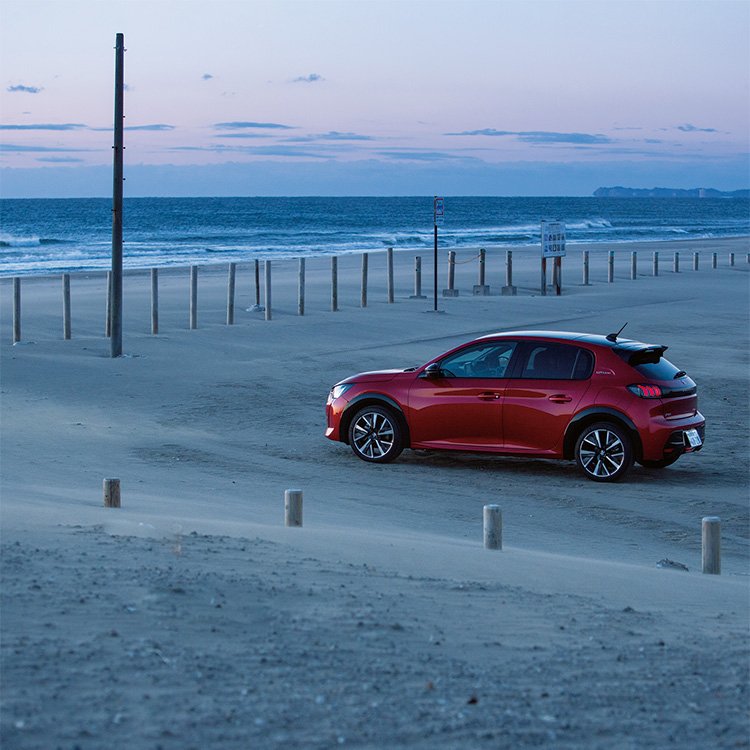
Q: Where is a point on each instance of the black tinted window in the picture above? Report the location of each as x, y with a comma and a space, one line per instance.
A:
558, 362
650, 363
487, 360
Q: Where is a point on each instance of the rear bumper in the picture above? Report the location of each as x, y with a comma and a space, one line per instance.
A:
669, 439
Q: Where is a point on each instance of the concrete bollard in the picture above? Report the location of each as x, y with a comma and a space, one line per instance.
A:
267, 288
293, 507
493, 527
301, 287
714, 260
481, 289
585, 258
696, 261
66, 306
417, 280
16, 310
676, 263
193, 297
111, 493
451, 291
363, 294
633, 265
231, 277
711, 545
154, 301
656, 263
389, 273
334, 283
508, 290
611, 266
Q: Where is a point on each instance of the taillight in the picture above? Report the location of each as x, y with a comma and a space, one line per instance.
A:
644, 390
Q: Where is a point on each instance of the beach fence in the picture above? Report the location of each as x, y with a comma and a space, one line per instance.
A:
368, 278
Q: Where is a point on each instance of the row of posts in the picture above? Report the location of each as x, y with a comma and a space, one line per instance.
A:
492, 518
481, 288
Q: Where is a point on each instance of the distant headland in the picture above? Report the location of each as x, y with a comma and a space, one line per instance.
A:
657, 192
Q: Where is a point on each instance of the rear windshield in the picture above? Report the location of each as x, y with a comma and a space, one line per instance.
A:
650, 364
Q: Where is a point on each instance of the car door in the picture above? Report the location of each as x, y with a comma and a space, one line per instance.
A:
551, 379
458, 404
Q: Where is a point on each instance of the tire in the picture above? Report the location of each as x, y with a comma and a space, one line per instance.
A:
660, 464
375, 435
604, 452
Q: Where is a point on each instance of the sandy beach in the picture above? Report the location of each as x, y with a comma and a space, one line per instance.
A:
192, 618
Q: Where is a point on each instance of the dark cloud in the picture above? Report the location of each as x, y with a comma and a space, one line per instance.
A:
312, 78
59, 160
541, 136
688, 128
289, 151
260, 125
206, 76
17, 148
332, 135
45, 126
156, 127
24, 89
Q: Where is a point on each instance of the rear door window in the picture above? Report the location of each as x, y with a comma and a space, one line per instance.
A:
550, 361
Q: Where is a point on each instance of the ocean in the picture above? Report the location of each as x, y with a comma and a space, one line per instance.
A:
45, 236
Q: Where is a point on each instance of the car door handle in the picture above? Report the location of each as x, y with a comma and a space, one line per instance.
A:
489, 396
560, 398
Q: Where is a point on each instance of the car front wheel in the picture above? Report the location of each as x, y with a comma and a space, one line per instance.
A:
375, 435
604, 452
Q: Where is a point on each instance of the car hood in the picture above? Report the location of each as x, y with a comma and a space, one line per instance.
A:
376, 376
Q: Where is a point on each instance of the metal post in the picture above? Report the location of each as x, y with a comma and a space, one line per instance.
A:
66, 305
267, 289
334, 284
633, 265
585, 267
154, 301
193, 297
417, 279
230, 293
435, 269
117, 189
389, 263
363, 291
655, 262
611, 267
301, 287
16, 310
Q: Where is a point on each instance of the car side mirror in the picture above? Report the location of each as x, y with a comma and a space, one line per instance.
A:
431, 371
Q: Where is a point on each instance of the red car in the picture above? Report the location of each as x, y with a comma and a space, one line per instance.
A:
601, 400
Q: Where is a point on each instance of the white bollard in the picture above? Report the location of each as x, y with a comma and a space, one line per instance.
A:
493, 527
711, 545
111, 493
293, 507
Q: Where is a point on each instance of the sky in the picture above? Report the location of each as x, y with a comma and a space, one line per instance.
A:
375, 97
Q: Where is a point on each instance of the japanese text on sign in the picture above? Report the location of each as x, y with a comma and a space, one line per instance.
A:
553, 239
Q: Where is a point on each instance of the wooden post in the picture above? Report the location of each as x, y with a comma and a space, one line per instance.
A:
714, 260
633, 265
334, 283
154, 301
711, 545
257, 283
508, 289
66, 305
731, 259
108, 316
267, 288
696, 261
543, 288
117, 189
293, 508
481, 288
557, 274
111, 493
417, 279
16, 310
301, 287
676, 263
586, 268
230, 293
655, 263
193, 297
389, 269
363, 296
493, 527
611, 267
451, 291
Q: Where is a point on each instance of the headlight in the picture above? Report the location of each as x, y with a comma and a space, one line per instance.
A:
339, 390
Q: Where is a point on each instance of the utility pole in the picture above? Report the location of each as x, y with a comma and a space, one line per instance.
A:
116, 290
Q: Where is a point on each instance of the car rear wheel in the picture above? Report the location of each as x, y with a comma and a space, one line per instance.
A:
375, 435
604, 452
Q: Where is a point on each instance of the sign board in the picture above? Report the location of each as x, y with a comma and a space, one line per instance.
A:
553, 239
439, 209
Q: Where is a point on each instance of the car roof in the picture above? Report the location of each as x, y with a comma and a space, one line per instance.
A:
586, 338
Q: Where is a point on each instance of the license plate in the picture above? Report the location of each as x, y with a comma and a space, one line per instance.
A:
693, 438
